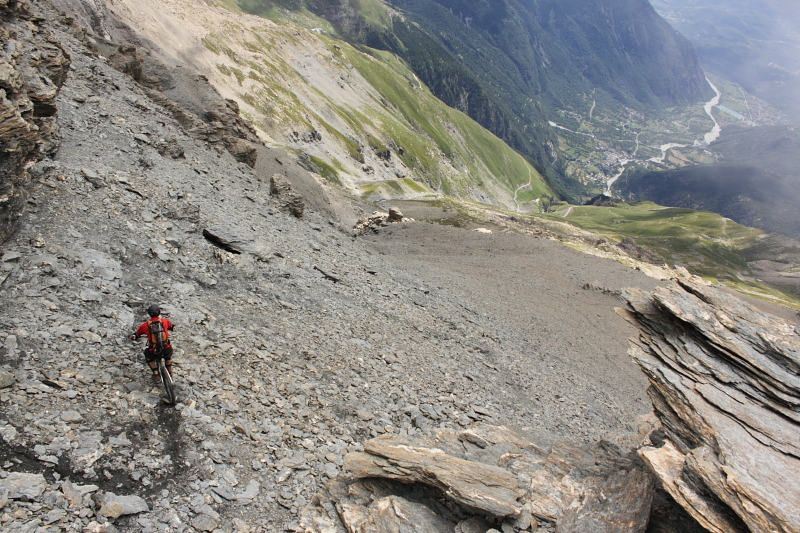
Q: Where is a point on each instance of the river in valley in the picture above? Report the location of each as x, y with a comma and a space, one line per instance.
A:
708, 138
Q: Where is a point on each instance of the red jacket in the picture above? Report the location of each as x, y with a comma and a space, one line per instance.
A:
144, 330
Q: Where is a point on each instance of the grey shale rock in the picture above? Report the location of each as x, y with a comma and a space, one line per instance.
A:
6, 379
485, 487
725, 382
290, 201
22, 485
205, 522
93, 177
113, 506
237, 240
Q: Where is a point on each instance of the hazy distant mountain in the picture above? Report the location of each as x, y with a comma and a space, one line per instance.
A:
755, 43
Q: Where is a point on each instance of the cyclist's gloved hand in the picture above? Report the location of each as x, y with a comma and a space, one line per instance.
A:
134, 337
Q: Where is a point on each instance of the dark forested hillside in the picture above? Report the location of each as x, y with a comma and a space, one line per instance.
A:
511, 63
758, 184
746, 194
625, 47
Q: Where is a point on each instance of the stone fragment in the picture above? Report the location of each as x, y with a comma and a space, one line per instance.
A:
93, 177
72, 494
395, 215
97, 527
481, 486
250, 492
473, 525
667, 463
204, 522
289, 201
485, 435
6, 379
236, 240
88, 295
113, 506
104, 266
23, 485
393, 513
71, 416
161, 253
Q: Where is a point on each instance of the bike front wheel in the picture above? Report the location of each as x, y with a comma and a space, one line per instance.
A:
166, 379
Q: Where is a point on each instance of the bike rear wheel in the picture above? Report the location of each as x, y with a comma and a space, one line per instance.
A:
166, 379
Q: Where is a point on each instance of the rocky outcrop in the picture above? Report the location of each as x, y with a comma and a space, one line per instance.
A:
209, 118
377, 220
485, 487
289, 201
725, 382
483, 477
33, 66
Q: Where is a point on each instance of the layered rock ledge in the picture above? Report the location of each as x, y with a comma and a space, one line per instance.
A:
33, 66
485, 478
725, 382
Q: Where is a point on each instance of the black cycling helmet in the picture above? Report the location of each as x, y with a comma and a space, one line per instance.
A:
154, 310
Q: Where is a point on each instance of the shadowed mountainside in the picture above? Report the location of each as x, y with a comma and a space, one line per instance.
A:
756, 185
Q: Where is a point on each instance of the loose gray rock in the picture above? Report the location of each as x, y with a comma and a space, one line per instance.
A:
237, 240
71, 416
6, 379
22, 485
93, 177
113, 506
204, 522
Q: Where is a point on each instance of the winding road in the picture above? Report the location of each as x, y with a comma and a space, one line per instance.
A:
708, 138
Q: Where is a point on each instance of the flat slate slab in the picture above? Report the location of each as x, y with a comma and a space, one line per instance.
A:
481, 486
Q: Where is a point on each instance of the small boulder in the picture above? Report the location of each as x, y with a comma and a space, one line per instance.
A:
289, 201
21, 485
113, 506
236, 240
204, 522
93, 177
395, 215
6, 379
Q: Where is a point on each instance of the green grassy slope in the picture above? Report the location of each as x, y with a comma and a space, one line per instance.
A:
361, 115
705, 243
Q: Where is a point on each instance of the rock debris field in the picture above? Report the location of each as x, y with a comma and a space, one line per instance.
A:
289, 354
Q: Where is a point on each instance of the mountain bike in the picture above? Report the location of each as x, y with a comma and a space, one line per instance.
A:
166, 380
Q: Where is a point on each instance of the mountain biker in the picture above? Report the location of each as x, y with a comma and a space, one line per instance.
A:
156, 347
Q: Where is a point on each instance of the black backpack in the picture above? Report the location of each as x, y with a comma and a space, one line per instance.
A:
157, 336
